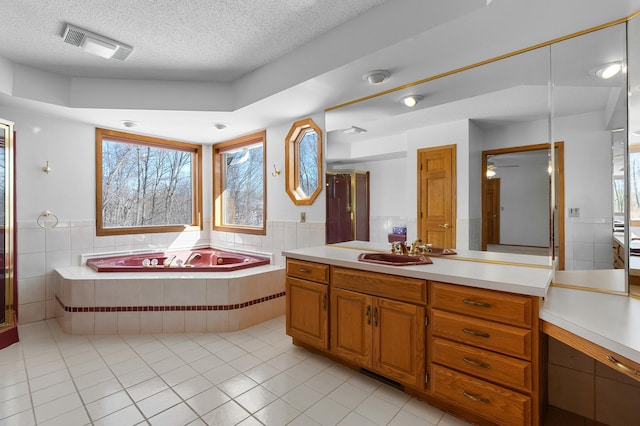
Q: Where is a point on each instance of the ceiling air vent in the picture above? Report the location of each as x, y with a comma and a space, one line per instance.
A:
95, 43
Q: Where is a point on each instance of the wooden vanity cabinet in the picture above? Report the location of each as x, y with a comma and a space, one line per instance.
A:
484, 352
618, 255
472, 351
374, 331
307, 287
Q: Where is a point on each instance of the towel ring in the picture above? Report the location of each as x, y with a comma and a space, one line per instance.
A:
46, 214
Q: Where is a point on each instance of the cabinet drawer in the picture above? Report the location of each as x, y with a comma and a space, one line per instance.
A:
484, 334
308, 270
487, 304
483, 364
492, 402
390, 286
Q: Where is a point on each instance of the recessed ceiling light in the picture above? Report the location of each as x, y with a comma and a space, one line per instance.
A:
609, 70
376, 77
353, 130
220, 126
130, 123
412, 100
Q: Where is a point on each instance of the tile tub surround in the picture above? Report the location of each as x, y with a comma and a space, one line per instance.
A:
88, 302
42, 251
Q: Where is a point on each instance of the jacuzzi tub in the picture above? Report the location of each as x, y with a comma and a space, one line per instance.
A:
202, 260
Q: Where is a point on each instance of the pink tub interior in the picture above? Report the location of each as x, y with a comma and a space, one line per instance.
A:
209, 260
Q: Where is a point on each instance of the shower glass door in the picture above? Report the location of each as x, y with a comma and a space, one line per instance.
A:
8, 332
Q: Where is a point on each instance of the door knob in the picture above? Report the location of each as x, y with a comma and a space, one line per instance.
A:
445, 225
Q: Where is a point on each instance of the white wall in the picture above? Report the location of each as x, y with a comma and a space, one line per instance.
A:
69, 192
524, 204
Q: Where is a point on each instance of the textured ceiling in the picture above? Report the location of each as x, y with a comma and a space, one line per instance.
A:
203, 40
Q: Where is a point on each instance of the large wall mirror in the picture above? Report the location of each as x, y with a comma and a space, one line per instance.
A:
554, 97
633, 159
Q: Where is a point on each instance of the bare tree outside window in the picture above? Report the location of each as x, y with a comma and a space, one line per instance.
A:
308, 164
239, 185
145, 185
243, 184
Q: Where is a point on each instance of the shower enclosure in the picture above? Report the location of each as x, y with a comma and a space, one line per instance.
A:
8, 293
347, 206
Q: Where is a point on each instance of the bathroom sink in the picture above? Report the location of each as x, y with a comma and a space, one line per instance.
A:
438, 251
394, 259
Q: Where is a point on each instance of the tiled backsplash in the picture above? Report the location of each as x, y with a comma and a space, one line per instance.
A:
41, 251
588, 243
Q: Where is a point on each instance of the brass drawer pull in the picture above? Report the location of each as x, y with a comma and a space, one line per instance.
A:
476, 363
474, 303
622, 366
475, 398
475, 333
304, 271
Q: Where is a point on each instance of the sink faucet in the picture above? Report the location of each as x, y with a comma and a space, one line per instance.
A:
191, 257
415, 248
168, 260
399, 247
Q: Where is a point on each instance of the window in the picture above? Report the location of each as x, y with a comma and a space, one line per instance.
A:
303, 155
146, 184
239, 185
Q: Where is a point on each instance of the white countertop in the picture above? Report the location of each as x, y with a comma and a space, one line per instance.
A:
86, 273
609, 320
494, 271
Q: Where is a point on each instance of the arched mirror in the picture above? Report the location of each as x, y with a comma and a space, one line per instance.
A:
303, 156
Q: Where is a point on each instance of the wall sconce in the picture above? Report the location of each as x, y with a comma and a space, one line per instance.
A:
46, 168
275, 171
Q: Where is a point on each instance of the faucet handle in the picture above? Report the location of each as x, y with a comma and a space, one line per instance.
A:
415, 247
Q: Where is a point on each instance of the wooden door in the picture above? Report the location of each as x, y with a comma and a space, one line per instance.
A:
492, 205
437, 196
398, 336
351, 318
307, 312
361, 208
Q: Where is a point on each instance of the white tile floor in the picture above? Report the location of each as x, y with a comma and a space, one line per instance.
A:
251, 377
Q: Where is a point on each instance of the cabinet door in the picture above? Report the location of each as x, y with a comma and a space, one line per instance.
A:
351, 318
398, 334
307, 312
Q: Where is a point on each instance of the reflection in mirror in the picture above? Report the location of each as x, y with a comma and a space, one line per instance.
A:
498, 105
589, 115
516, 200
633, 76
303, 156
